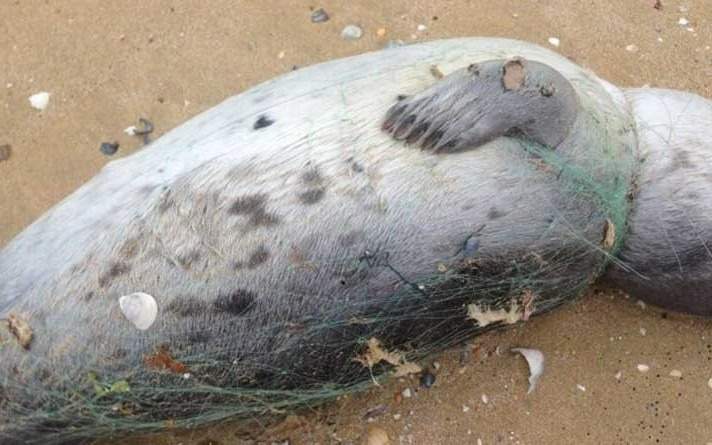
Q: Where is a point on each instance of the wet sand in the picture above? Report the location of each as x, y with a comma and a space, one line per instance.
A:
108, 63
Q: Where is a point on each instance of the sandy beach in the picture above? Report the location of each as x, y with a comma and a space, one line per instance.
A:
617, 371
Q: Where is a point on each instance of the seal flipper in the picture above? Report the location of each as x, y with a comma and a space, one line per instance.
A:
484, 101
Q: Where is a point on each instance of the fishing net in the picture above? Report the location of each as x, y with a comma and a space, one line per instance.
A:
341, 340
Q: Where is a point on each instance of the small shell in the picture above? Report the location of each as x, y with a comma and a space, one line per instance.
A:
377, 436
140, 309
40, 100
535, 360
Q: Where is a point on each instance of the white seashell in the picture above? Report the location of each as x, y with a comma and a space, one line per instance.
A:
535, 360
40, 100
140, 309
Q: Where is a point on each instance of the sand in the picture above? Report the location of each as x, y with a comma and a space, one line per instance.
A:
108, 63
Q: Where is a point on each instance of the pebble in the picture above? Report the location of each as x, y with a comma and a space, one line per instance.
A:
581, 387
618, 375
396, 416
427, 379
643, 331
554, 41
40, 100
436, 365
319, 16
422, 28
676, 373
683, 21
5, 152
351, 32
485, 399
377, 436
709, 382
465, 408
280, 55
109, 148
632, 48
380, 32
131, 131
641, 303
407, 393
643, 368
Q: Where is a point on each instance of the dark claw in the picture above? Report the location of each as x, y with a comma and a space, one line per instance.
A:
432, 140
405, 127
417, 133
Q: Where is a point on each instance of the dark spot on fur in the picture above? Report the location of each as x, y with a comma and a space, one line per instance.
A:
189, 258
351, 238
129, 249
88, 297
355, 166
187, 307
262, 122
311, 196
196, 337
115, 270
494, 213
258, 257
681, 159
264, 219
254, 207
237, 303
165, 204
311, 176
248, 204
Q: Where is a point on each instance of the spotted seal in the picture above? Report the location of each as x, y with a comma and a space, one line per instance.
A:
348, 218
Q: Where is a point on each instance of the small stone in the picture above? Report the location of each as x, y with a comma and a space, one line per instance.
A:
40, 100
380, 32
632, 48
618, 375
422, 28
709, 382
676, 373
683, 21
377, 436
186, 376
280, 55
427, 379
581, 387
554, 41
485, 399
643, 367
396, 416
131, 131
407, 393
5, 152
109, 148
465, 408
436, 365
351, 32
641, 303
319, 16
643, 331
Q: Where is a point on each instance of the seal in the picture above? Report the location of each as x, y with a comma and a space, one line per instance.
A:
338, 223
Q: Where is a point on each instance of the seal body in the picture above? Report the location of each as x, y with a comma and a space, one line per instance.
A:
276, 239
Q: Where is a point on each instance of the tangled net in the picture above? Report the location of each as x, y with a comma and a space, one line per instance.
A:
318, 353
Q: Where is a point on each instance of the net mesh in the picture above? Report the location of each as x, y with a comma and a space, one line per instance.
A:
325, 352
